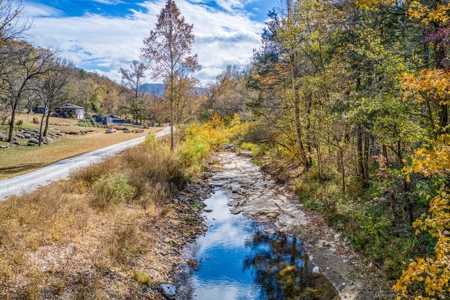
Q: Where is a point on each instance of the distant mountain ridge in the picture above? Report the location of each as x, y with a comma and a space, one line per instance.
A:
158, 88
153, 88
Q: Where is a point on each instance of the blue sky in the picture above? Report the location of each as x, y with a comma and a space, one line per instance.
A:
105, 35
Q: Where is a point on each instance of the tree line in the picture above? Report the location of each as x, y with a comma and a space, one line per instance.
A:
355, 94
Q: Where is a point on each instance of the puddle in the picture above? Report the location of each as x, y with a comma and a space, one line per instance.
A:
237, 259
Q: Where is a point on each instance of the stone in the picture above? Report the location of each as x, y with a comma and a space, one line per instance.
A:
169, 290
228, 147
3, 147
207, 210
20, 136
316, 270
50, 140
31, 144
33, 140
16, 143
27, 135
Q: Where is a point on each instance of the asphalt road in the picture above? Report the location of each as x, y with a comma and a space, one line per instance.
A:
31, 181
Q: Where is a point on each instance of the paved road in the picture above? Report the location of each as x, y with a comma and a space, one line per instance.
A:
62, 169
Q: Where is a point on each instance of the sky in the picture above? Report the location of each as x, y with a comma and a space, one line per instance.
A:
104, 35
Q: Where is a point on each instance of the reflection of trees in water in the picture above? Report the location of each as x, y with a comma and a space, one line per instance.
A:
281, 270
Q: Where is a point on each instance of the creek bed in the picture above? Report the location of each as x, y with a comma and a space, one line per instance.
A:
238, 258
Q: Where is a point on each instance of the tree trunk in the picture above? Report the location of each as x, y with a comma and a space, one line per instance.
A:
319, 161
298, 133
13, 119
40, 127
385, 154
171, 114
341, 158
47, 119
408, 203
366, 159
361, 153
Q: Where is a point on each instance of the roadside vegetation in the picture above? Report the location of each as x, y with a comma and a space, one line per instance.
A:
112, 230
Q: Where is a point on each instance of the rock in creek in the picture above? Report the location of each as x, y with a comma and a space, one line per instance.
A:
207, 210
168, 290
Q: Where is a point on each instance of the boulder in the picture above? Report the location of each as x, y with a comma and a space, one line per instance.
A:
16, 143
3, 147
50, 140
207, 210
31, 144
169, 290
228, 147
33, 141
27, 135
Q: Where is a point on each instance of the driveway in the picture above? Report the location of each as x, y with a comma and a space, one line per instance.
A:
31, 181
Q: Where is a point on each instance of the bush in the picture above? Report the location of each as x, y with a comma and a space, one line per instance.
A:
19, 123
35, 120
110, 190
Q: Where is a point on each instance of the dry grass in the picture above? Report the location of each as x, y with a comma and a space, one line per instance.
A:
57, 244
24, 159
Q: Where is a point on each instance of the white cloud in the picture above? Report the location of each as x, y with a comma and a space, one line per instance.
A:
96, 42
40, 10
108, 2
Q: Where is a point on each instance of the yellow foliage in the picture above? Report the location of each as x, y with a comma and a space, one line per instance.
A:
200, 140
426, 14
428, 278
429, 85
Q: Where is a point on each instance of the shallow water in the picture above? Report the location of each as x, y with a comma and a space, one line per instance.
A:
237, 259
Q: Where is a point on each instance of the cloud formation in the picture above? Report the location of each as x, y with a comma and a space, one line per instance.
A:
104, 44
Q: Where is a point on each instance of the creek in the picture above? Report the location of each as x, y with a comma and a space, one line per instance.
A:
239, 258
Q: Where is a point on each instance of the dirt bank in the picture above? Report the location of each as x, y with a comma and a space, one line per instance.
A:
257, 195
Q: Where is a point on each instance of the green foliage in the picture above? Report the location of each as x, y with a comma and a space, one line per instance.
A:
88, 123
142, 278
199, 142
110, 190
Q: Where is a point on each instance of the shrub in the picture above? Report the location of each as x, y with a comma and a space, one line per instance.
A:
19, 123
193, 151
142, 278
35, 120
110, 190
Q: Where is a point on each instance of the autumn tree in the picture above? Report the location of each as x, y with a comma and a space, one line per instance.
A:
51, 88
26, 63
132, 82
167, 50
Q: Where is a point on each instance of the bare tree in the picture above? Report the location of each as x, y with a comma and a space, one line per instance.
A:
168, 51
26, 63
132, 82
50, 88
11, 26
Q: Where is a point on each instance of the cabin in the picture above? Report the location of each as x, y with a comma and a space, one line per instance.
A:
40, 109
69, 111
108, 120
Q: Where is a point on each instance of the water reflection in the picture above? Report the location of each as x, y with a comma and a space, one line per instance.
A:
237, 260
